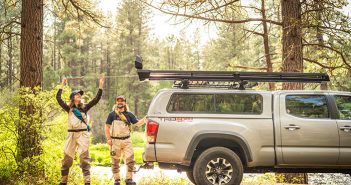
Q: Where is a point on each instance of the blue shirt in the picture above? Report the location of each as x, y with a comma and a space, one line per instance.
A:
113, 116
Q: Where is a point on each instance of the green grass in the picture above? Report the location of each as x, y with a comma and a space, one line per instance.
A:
138, 139
162, 179
100, 153
138, 152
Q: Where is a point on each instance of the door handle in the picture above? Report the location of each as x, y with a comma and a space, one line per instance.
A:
346, 128
292, 127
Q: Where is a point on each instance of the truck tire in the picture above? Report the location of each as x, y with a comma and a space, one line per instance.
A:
218, 165
190, 176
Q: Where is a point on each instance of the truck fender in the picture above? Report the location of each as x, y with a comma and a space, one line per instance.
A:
231, 136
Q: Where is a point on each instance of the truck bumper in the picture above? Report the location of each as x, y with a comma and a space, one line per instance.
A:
149, 154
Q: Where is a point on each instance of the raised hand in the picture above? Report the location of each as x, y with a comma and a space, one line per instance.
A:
64, 82
101, 82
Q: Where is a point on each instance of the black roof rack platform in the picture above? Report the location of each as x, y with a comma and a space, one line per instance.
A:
209, 77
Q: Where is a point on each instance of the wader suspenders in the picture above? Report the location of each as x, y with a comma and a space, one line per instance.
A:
125, 120
88, 127
81, 119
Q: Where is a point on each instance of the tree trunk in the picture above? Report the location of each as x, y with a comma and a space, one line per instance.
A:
31, 43
74, 72
169, 58
31, 50
292, 60
84, 50
266, 43
292, 40
1, 83
319, 35
136, 105
59, 64
9, 62
108, 71
102, 63
54, 62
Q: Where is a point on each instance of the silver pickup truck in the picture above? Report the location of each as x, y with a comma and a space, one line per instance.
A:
216, 135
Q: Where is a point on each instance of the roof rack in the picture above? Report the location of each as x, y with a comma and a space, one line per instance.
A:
184, 84
225, 79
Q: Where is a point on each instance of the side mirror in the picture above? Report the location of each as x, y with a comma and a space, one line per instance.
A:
138, 62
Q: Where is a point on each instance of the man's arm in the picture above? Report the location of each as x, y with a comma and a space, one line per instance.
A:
108, 128
137, 122
108, 135
141, 122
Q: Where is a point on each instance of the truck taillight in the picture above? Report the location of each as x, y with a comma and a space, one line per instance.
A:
151, 131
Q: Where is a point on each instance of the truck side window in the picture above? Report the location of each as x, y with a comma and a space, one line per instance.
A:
344, 106
239, 103
200, 103
307, 106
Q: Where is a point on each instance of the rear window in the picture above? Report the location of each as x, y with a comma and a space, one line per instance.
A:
216, 103
191, 103
239, 103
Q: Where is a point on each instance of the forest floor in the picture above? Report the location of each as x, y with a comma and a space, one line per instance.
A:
173, 175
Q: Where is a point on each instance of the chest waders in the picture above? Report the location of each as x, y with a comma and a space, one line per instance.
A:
78, 140
121, 145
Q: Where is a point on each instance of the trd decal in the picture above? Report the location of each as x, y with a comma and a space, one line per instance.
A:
178, 119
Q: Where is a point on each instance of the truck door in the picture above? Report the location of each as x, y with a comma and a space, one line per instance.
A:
308, 134
343, 103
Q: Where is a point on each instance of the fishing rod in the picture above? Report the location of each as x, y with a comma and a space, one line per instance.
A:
92, 77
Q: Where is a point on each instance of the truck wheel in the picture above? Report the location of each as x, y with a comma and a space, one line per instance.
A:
218, 166
190, 176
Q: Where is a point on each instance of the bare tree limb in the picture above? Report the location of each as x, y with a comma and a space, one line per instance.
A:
322, 65
82, 9
247, 67
332, 49
195, 16
254, 32
218, 7
348, 31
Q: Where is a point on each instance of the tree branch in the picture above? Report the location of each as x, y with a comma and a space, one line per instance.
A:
332, 49
348, 31
195, 16
254, 32
247, 67
320, 64
216, 8
85, 11
14, 21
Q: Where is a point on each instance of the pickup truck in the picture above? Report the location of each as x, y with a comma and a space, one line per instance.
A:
216, 135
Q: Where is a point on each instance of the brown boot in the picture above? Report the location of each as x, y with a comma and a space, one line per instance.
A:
117, 182
130, 182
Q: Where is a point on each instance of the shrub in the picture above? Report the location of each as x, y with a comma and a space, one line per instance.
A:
161, 179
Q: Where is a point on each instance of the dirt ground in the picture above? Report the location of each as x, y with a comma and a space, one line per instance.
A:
249, 179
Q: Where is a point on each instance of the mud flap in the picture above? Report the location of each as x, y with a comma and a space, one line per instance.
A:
146, 165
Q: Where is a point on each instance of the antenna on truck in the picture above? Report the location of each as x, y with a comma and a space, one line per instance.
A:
225, 79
